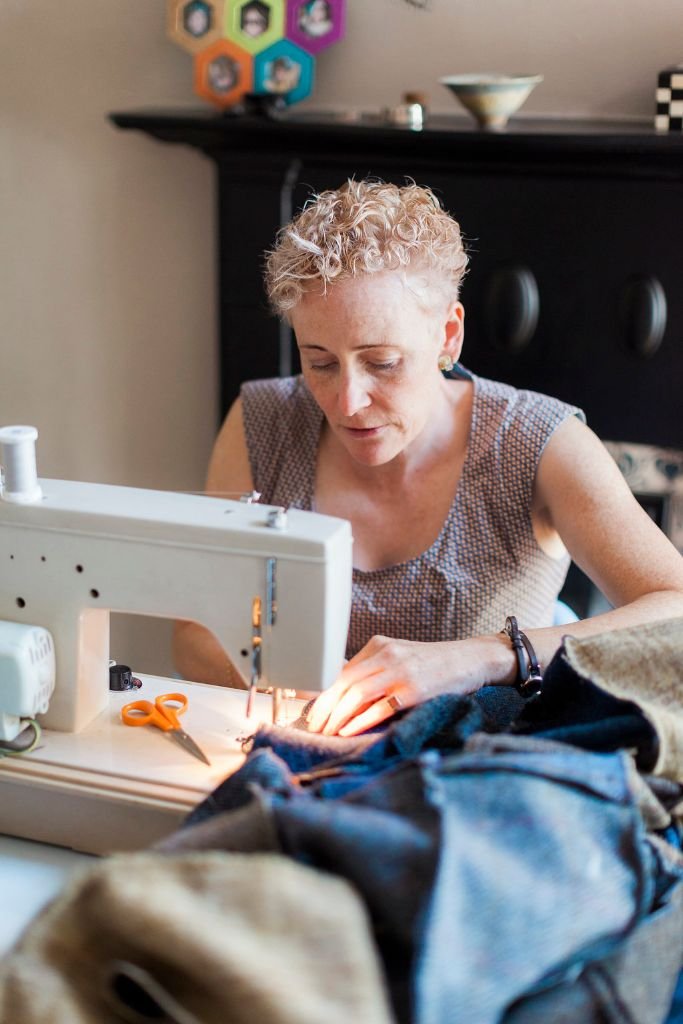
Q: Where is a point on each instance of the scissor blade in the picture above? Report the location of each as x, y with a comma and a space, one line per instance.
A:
187, 743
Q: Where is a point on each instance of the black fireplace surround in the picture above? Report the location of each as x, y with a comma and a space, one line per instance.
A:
574, 230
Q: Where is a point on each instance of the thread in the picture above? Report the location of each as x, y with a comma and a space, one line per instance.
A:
18, 461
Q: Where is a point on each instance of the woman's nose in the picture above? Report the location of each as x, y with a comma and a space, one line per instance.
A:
353, 395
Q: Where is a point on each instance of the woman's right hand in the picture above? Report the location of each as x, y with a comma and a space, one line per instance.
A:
389, 674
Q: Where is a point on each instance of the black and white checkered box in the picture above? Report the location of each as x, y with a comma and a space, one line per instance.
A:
669, 96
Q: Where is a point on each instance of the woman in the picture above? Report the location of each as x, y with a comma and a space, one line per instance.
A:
466, 497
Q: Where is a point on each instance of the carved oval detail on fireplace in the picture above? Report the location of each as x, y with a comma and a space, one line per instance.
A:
512, 307
643, 315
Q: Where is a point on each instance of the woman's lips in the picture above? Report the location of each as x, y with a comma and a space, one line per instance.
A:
362, 432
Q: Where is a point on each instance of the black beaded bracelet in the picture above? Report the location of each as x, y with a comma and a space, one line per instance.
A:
529, 677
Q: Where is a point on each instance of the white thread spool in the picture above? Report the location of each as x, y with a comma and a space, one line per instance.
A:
18, 461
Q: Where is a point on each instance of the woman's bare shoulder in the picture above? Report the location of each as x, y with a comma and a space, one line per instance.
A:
229, 467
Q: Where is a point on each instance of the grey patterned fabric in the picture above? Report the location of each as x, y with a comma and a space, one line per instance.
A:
485, 564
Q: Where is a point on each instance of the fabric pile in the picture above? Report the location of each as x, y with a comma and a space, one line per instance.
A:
197, 939
480, 860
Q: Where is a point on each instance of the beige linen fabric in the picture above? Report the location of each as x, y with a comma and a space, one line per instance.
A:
210, 938
643, 665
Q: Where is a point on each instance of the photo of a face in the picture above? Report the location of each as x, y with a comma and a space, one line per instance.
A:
315, 18
222, 74
255, 19
282, 75
197, 18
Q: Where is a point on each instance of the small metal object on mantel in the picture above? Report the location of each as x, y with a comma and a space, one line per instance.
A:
411, 112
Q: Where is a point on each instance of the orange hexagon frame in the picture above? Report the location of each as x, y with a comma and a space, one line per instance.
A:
223, 73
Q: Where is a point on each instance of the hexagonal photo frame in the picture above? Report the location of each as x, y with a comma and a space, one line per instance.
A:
315, 24
194, 24
223, 73
255, 24
284, 70
256, 48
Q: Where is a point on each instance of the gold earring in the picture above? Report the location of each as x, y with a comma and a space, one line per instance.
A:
445, 363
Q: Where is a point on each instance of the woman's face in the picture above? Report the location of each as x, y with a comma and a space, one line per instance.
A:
369, 353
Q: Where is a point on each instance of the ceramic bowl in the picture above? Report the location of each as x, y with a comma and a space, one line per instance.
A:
491, 98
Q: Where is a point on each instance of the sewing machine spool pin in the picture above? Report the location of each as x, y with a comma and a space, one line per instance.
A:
18, 460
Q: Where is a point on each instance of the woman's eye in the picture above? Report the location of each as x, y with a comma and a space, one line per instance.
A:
384, 366
321, 366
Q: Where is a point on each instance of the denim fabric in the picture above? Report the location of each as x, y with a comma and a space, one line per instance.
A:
574, 710
544, 864
333, 766
499, 847
629, 986
676, 1008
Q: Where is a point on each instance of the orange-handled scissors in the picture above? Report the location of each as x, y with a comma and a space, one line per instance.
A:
164, 715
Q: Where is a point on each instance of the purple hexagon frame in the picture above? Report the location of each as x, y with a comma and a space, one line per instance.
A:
315, 24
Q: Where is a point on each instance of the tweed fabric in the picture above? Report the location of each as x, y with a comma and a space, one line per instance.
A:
643, 666
485, 563
204, 937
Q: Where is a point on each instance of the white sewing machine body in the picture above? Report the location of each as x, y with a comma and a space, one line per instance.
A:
83, 550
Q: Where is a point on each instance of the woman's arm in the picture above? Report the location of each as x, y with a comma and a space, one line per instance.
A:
582, 500
197, 654
199, 657
608, 534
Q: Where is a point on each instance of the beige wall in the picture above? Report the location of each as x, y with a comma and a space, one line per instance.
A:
599, 57
107, 290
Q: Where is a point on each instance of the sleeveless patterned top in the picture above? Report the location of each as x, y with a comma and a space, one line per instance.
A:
484, 565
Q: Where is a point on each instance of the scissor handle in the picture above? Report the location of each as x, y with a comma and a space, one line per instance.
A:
140, 712
161, 713
169, 713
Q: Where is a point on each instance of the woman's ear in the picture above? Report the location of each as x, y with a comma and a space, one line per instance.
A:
454, 330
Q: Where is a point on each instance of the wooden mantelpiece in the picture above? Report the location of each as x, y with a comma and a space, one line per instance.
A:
574, 231
585, 147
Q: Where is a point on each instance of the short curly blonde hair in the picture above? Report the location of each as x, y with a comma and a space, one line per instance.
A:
364, 227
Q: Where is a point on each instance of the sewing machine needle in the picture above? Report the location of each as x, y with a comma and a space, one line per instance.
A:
255, 652
187, 743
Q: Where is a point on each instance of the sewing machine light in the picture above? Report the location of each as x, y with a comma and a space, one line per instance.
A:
27, 675
18, 462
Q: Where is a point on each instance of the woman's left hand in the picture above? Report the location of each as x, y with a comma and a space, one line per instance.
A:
389, 674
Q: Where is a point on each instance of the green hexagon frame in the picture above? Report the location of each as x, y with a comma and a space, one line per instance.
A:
242, 20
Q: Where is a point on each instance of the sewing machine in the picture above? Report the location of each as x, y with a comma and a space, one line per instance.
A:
273, 586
